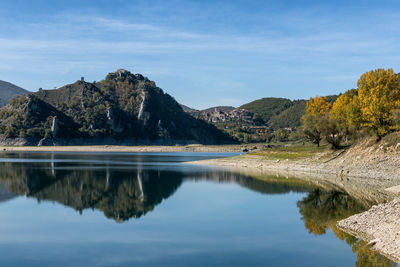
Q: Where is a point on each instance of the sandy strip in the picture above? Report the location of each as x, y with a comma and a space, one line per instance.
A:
113, 148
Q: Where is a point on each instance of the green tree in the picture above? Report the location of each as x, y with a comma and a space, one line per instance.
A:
257, 119
281, 135
313, 127
316, 119
246, 138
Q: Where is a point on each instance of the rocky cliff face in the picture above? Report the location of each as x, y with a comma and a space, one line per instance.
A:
123, 106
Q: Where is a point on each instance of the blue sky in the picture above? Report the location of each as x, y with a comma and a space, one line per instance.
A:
204, 53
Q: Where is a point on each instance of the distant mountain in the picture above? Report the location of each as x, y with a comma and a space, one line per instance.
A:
123, 106
188, 109
219, 108
8, 91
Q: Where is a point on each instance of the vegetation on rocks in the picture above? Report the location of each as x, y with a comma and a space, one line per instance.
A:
122, 106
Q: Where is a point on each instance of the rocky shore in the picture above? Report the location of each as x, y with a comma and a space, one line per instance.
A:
379, 226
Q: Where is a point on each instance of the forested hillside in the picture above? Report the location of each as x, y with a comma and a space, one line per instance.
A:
267, 108
123, 106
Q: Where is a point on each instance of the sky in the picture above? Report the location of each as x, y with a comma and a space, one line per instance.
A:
203, 53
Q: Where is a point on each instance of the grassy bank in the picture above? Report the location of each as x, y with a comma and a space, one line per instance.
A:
291, 152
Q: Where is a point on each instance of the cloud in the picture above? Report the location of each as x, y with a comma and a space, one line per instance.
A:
86, 34
272, 51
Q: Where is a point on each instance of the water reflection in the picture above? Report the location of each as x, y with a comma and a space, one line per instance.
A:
125, 187
321, 210
121, 192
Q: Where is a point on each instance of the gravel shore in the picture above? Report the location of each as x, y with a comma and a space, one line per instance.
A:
379, 226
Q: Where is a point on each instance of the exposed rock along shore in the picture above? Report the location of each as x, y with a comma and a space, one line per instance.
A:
380, 226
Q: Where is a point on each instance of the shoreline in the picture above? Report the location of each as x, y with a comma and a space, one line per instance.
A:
369, 173
116, 148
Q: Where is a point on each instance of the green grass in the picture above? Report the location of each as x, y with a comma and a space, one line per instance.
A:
291, 152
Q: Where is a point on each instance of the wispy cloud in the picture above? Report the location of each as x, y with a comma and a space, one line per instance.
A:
269, 54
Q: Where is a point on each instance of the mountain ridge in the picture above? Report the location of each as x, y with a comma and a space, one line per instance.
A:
123, 106
8, 91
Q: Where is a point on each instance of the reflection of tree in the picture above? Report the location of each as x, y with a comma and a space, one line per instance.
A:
365, 256
321, 210
265, 184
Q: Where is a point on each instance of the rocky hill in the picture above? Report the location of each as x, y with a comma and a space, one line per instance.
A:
223, 114
188, 109
124, 107
8, 91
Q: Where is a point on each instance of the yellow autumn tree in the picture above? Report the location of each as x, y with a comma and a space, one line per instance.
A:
346, 112
318, 106
379, 96
316, 118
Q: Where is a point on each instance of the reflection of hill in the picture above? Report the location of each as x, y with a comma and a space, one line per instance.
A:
263, 184
5, 194
122, 188
123, 193
119, 194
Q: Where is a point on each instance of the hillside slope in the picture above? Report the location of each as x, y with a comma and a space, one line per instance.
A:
290, 117
123, 106
268, 107
8, 91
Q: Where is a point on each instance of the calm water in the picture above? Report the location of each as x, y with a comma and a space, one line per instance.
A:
61, 209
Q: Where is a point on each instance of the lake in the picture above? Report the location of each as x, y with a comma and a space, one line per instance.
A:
151, 209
